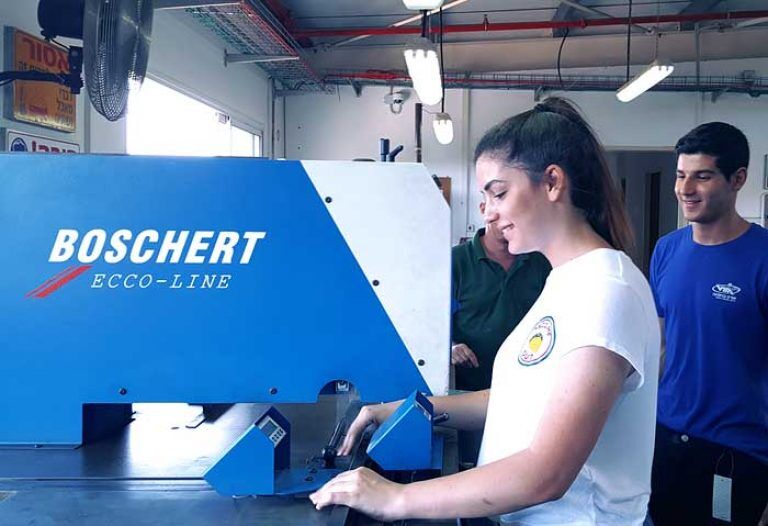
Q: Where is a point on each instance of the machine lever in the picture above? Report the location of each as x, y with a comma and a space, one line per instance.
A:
329, 452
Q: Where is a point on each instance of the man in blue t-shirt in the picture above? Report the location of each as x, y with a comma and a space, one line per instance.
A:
710, 283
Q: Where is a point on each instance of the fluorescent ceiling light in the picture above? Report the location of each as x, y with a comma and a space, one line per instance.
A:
421, 5
443, 126
424, 70
653, 74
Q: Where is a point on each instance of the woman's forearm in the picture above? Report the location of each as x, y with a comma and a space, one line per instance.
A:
466, 411
500, 487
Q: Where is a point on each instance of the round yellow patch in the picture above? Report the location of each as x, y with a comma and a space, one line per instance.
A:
540, 342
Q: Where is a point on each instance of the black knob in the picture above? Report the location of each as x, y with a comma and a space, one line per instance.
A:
329, 457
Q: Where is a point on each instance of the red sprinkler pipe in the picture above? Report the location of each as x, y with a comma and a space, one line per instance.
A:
519, 26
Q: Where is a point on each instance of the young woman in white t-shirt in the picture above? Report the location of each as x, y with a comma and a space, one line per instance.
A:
570, 416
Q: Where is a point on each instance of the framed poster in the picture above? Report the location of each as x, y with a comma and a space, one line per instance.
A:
26, 142
42, 103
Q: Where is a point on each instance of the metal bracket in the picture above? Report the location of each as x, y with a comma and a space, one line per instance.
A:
750, 79
185, 4
245, 58
717, 94
357, 88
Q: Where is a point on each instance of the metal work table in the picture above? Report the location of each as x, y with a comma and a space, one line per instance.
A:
150, 474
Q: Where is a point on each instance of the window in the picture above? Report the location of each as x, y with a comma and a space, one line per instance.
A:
244, 143
162, 121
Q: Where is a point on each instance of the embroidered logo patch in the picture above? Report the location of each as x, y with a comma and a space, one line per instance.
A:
540, 342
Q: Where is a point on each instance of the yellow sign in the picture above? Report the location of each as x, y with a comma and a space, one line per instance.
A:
43, 103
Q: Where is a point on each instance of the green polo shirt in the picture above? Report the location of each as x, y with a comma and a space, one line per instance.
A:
488, 302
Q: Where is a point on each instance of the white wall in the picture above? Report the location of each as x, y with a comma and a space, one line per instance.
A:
342, 126
185, 56
655, 121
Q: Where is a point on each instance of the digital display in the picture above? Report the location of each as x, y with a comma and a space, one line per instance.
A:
269, 426
272, 430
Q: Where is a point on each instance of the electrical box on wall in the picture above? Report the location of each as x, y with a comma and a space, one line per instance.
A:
764, 210
764, 196
765, 171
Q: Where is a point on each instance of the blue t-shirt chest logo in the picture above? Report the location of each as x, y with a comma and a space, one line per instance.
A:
725, 292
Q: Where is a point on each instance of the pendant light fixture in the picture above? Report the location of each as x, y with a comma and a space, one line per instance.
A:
442, 123
424, 67
652, 75
657, 71
443, 126
421, 5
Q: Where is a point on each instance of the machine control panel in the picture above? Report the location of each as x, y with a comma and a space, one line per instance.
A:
271, 429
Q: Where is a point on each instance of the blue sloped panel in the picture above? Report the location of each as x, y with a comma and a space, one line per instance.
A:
404, 440
298, 314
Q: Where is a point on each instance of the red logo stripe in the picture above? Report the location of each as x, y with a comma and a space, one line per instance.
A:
58, 281
49, 281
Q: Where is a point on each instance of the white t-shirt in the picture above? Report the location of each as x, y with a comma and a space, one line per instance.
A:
597, 299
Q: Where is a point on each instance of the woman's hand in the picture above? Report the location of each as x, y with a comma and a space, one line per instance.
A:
365, 491
369, 414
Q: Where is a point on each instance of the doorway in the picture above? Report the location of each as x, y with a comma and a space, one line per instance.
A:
647, 180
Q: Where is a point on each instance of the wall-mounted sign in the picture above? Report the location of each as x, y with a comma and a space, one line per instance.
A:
25, 142
42, 103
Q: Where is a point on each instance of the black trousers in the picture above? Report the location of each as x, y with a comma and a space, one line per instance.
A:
683, 472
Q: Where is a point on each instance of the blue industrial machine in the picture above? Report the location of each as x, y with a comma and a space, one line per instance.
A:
139, 279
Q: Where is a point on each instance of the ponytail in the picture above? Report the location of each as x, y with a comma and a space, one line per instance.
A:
554, 132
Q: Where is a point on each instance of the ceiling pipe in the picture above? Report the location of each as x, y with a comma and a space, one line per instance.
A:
753, 87
405, 21
577, 6
521, 26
